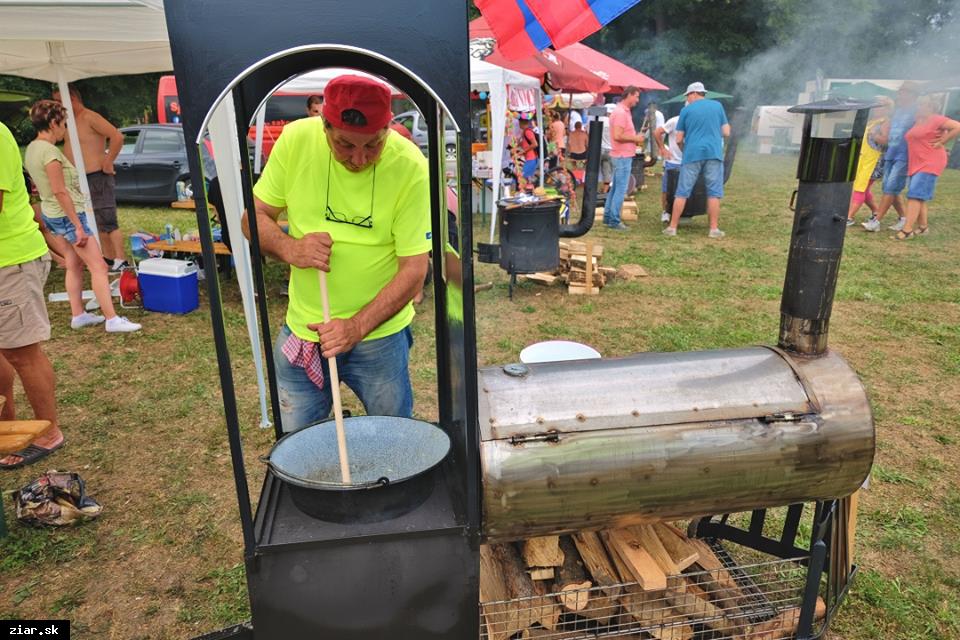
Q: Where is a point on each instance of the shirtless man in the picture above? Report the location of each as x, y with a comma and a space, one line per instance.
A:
95, 134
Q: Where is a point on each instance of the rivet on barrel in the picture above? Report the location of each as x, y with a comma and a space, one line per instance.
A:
581, 417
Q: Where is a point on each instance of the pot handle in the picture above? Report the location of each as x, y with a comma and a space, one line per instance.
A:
265, 459
383, 481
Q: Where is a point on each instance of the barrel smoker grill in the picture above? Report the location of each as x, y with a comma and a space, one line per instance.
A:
716, 437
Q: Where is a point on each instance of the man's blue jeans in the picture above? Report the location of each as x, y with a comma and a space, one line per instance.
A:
376, 370
618, 191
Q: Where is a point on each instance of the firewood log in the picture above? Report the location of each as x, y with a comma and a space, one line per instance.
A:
648, 609
642, 567
572, 578
546, 609
699, 610
493, 588
597, 561
650, 541
604, 603
681, 551
543, 552
542, 573
503, 577
783, 626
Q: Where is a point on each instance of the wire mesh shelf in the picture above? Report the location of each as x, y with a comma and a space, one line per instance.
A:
738, 602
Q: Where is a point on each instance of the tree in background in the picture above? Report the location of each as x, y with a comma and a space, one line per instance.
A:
763, 51
122, 100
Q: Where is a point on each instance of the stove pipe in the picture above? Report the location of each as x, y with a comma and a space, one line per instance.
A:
832, 137
591, 178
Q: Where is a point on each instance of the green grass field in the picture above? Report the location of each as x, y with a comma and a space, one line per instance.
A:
143, 416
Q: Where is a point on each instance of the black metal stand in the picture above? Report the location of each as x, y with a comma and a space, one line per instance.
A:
815, 559
416, 576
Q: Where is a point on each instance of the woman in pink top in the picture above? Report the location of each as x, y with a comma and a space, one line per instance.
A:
926, 160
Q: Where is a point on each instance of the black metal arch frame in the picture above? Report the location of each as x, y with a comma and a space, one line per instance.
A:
220, 48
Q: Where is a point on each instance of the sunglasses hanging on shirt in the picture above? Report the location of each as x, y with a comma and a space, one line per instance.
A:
356, 220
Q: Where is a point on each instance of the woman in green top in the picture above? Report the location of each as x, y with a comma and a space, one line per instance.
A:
61, 203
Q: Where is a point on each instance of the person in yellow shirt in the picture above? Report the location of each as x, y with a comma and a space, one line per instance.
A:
870, 162
356, 197
24, 325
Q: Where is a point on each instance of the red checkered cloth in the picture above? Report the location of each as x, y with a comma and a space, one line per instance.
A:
306, 355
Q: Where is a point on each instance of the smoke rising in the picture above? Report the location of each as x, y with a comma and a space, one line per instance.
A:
864, 39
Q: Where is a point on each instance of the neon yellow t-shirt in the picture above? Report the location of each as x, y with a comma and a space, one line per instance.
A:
20, 237
394, 193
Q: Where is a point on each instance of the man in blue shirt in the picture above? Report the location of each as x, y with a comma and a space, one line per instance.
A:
700, 132
895, 159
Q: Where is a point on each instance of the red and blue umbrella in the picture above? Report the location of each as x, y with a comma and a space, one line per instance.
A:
525, 27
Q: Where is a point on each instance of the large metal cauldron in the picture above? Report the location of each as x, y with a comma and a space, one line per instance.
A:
391, 466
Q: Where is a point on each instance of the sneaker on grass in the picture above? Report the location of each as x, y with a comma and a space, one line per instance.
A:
898, 226
117, 265
85, 319
669, 231
716, 234
872, 225
664, 217
851, 222
119, 324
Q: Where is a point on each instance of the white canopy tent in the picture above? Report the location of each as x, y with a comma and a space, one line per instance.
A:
65, 40
495, 80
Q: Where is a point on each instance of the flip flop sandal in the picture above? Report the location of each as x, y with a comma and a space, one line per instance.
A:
922, 231
904, 235
31, 454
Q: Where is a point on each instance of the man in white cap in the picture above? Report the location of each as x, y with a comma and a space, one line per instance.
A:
700, 132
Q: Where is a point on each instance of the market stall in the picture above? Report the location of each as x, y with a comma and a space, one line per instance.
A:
498, 82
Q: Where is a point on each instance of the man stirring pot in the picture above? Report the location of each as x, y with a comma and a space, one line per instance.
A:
356, 197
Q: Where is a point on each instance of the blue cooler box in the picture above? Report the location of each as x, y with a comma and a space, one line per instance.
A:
168, 286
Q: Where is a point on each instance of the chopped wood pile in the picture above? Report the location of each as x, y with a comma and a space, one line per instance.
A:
628, 211
576, 271
637, 582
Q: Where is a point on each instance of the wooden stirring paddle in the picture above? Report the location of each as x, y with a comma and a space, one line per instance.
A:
335, 389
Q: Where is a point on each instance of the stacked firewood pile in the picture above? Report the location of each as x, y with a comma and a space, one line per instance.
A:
575, 270
638, 582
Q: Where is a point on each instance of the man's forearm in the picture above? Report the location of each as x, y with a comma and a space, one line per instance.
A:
273, 241
116, 145
392, 298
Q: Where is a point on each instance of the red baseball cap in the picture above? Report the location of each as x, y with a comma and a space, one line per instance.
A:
369, 98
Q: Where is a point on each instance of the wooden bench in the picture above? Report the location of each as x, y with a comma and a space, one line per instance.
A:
192, 248
187, 246
14, 436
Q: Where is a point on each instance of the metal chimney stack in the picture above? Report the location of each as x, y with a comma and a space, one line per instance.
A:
832, 137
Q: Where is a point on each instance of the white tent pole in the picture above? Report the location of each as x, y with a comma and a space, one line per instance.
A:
542, 127
57, 57
496, 132
261, 122
226, 145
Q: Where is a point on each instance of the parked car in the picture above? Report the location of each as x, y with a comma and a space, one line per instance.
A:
152, 161
415, 122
